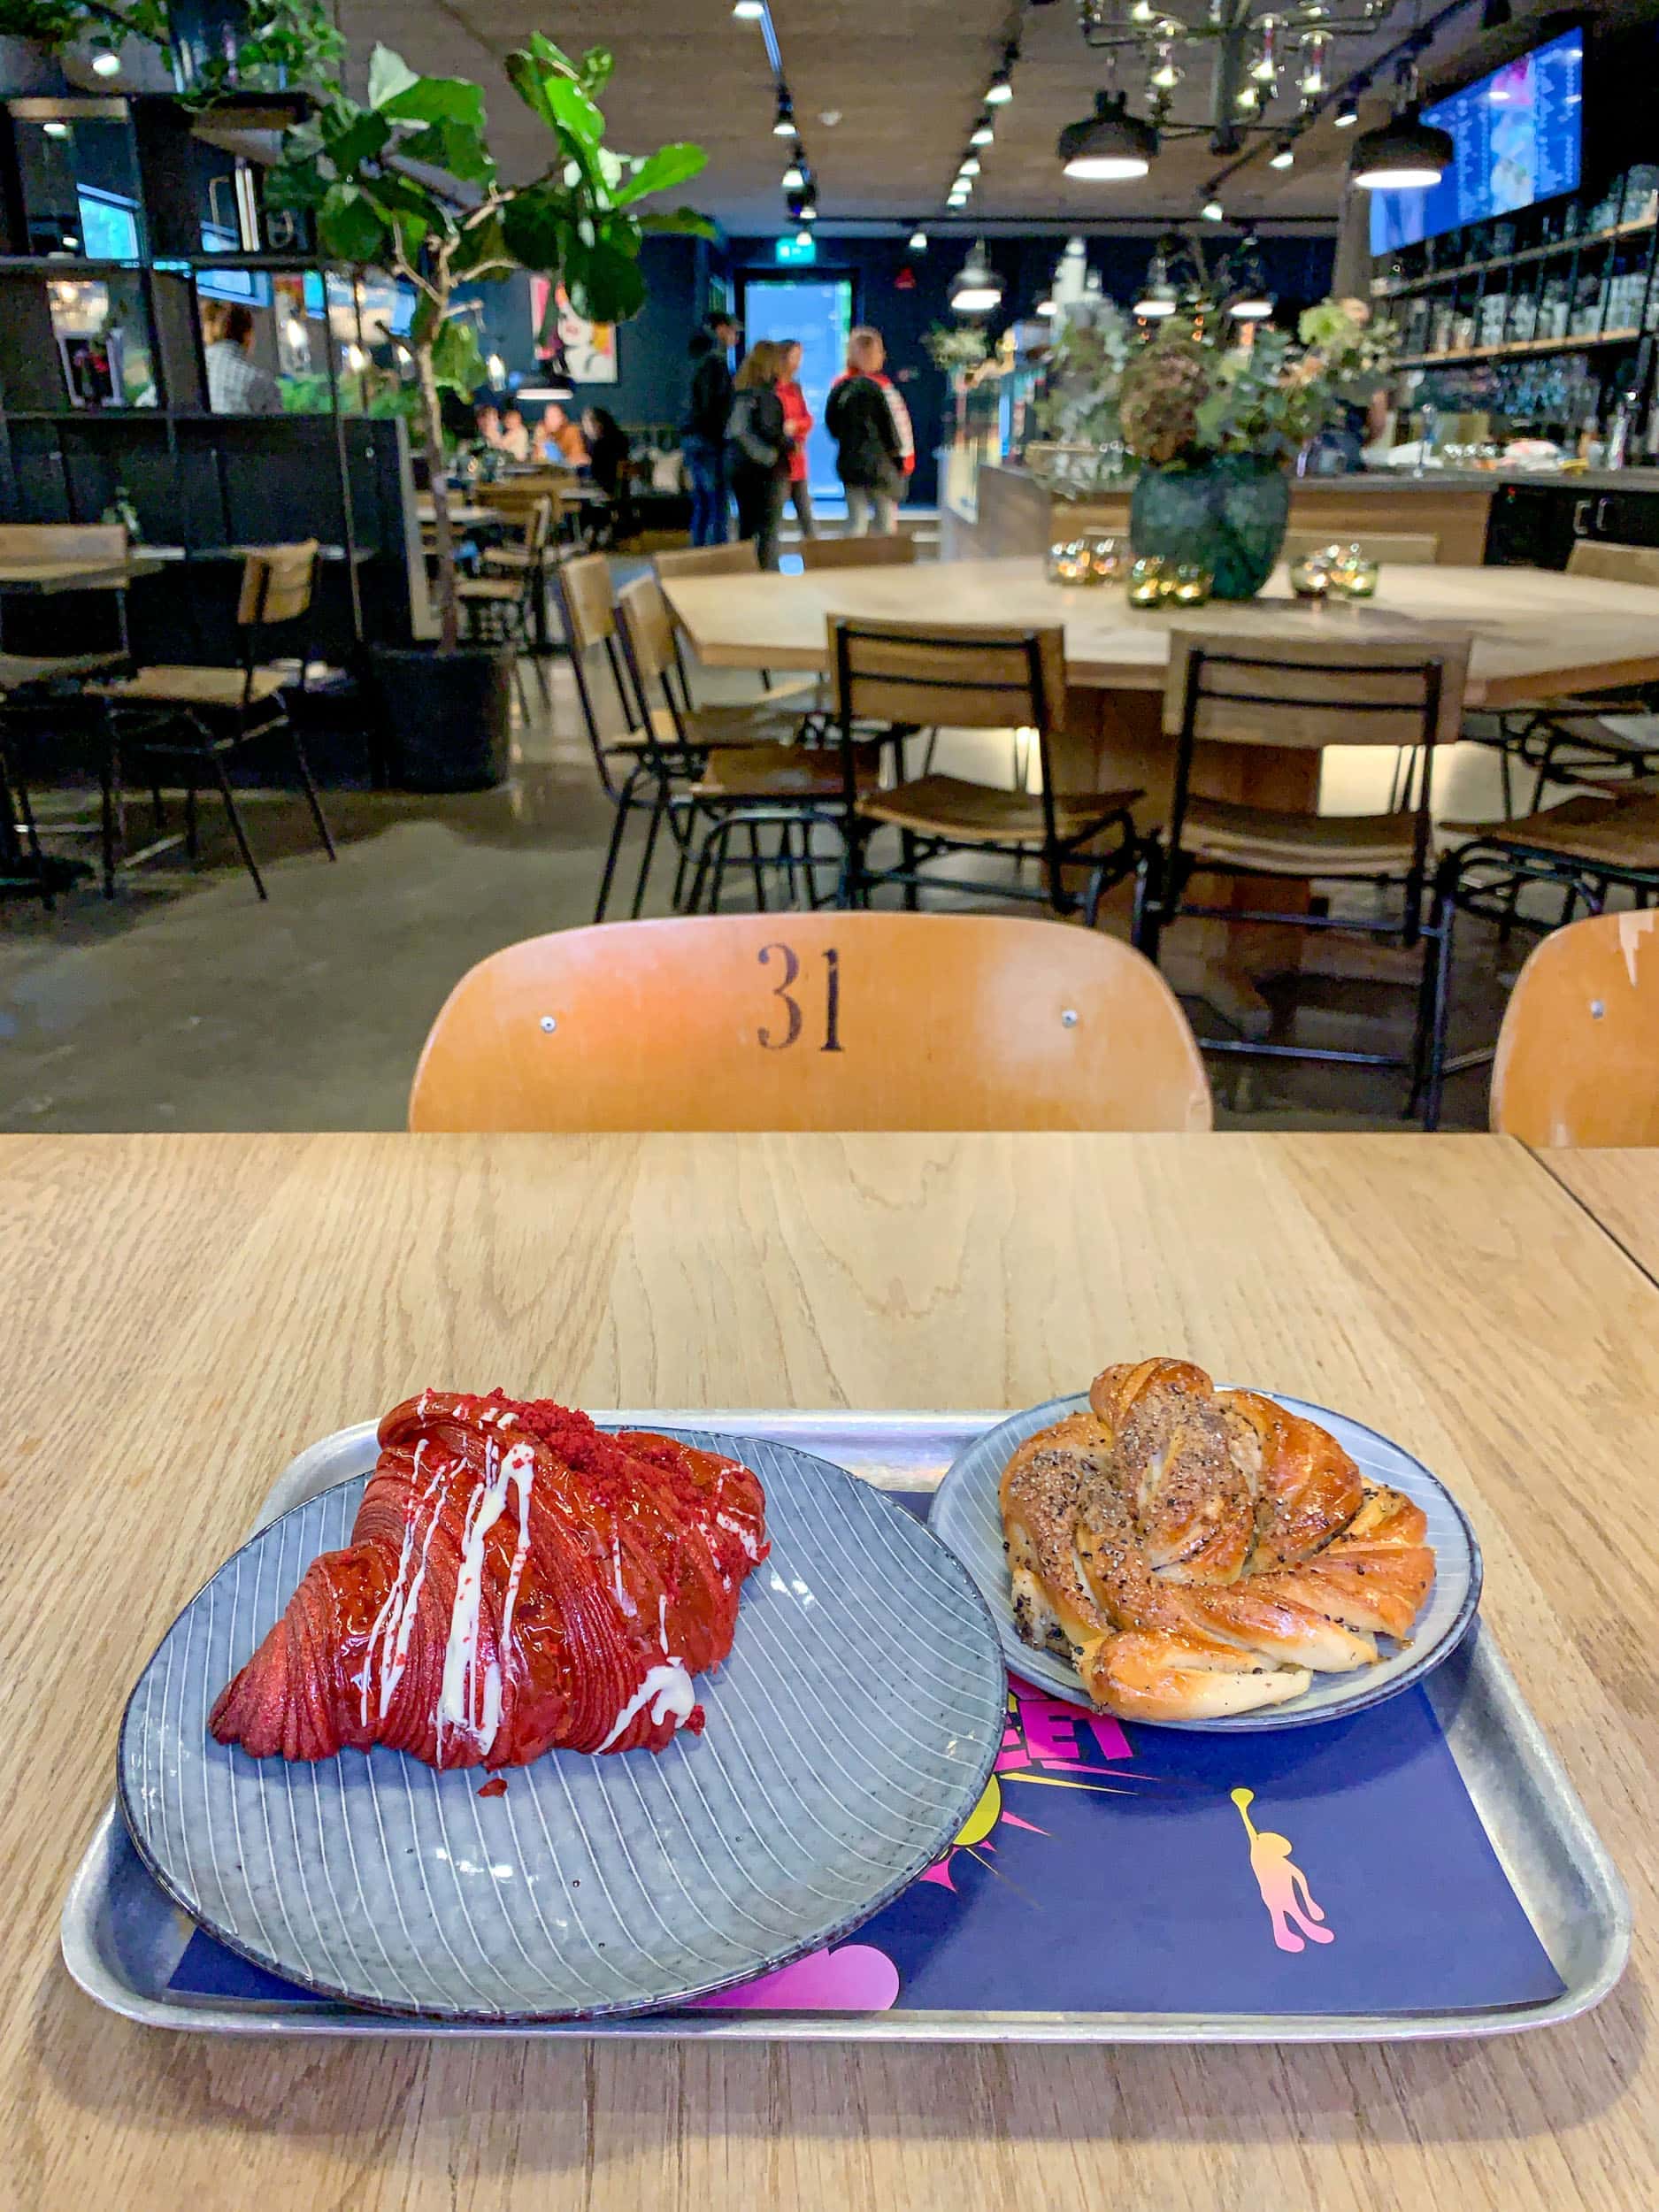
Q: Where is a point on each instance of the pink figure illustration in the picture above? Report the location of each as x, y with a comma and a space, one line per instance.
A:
1283, 1885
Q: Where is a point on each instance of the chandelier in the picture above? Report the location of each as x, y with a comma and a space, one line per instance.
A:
1270, 68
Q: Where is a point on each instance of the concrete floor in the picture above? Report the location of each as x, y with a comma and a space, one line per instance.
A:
186, 1004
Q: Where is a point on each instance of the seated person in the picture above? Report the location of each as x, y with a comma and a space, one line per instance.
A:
515, 435
559, 440
607, 448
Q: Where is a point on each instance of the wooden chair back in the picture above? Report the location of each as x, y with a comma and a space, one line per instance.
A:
1578, 1060
737, 559
812, 1021
962, 674
647, 630
62, 542
896, 551
1613, 563
1406, 548
1240, 689
277, 584
583, 593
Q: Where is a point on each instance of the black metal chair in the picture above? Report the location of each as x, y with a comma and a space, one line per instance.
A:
1231, 691
201, 716
968, 676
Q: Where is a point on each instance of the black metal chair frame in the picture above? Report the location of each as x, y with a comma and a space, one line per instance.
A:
917, 849
139, 726
1514, 864
1165, 871
664, 764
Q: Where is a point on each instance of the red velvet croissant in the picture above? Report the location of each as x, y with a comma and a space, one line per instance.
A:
516, 1581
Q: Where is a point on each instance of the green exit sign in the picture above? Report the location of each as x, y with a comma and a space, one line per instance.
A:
795, 251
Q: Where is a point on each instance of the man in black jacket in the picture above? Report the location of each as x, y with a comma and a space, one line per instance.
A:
704, 439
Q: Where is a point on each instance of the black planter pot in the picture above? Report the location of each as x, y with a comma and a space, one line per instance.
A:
446, 717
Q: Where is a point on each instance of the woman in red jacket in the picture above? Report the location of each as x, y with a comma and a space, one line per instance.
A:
798, 422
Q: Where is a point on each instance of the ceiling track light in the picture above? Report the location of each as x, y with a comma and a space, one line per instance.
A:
919, 239
1283, 154
1109, 147
106, 62
794, 175
783, 124
1212, 211
1346, 112
1001, 90
983, 132
748, 10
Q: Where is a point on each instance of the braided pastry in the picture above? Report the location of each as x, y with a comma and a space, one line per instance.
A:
1198, 1553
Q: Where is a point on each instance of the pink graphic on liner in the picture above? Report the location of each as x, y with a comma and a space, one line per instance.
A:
1283, 1885
856, 1977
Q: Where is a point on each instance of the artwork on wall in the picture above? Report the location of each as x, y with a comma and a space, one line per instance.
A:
568, 343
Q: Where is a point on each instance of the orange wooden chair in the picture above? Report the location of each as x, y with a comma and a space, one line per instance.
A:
812, 1021
1578, 1053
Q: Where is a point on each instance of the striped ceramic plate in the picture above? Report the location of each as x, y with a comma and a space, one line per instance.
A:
849, 1737
966, 1514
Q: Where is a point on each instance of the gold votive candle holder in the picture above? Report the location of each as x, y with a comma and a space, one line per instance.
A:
1355, 577
1310, 577
1191, 585
1069, 562
1151, 581
1107, 556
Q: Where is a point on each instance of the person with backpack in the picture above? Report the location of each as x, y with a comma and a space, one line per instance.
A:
757, 448
874, 448
702, 440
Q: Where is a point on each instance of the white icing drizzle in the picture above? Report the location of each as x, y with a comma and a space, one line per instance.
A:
751, 1549
669, 1685
623, 1599
465, 1684
394, 1623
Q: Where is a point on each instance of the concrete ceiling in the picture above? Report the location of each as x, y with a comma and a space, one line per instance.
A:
906, 78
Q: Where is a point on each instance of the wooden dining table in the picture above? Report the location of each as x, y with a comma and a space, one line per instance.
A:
184, 1313
1621, 1189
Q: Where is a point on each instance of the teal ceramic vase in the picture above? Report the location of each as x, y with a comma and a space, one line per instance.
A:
1227, 514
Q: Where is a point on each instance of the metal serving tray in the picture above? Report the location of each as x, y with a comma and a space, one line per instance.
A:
122, 1941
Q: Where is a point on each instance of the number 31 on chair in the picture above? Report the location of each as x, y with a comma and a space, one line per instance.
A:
767, 1035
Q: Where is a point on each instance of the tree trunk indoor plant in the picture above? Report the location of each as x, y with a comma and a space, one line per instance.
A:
364, 173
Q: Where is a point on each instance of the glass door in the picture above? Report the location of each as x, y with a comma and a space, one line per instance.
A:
818, 312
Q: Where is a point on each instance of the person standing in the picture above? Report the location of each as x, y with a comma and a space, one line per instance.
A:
236, 385
703, 442
798, 421
757, 449
874, 448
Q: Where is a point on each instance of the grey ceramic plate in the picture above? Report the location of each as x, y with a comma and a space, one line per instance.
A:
849, 1737
966, 1516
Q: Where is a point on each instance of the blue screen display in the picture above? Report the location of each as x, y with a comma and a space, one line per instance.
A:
1517, 138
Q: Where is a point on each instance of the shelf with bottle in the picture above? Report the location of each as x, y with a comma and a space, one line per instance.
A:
1628, 209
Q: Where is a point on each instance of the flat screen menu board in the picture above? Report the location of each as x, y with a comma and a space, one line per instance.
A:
1518, 139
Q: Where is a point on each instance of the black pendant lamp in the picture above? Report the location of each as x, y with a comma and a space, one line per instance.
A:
976, 289
1406, 153
1109, 147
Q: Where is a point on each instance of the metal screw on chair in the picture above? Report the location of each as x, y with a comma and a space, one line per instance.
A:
549, 1024
1597, 1009
1068, 1019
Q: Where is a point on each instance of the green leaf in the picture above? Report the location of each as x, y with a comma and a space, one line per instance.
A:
596, 66
539, 228
388, 75
350, 225
683, 222
661, 171
438, 100
573, 112
362, 140
457, 361
453, 146
607, 287
479, 243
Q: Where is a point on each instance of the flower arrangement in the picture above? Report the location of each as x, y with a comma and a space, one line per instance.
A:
949, 348
1184, 395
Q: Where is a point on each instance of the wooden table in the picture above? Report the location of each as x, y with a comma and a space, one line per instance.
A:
38, 577
182, 1313
1622, 1190
1536, 633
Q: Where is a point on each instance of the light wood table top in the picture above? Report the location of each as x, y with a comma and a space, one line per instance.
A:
181, 1314
77, 575
1622, 1190
1536, 633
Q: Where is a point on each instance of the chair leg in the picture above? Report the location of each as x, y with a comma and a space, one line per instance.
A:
907, 861
624, 801
15, 799
758, 867
192, 840
1438, 977
313, 801
239, 833
157, 813
109, 798
659, 807
1146, 921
